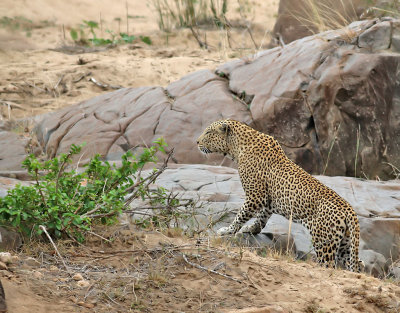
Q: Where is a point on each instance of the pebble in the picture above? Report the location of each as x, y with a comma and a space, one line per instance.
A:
85, 305
77, 277
37, 275
6, 257
83, 283
53, 268
31, 262
3, 266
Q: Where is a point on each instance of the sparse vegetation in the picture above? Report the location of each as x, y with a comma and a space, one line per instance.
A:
181, 13
68, 202
87, 28
23, 24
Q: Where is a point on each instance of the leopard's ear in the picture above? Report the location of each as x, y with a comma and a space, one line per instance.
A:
224, 129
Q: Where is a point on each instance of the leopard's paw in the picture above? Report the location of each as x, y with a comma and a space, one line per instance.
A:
252, 229
224, 231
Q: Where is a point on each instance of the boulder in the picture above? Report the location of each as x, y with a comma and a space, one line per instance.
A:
131, 118
331, 100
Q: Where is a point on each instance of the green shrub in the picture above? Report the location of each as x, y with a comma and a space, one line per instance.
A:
67, 202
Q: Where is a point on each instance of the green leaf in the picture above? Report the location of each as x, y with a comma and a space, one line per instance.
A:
146, 40
74, 34
126, 38
91, 24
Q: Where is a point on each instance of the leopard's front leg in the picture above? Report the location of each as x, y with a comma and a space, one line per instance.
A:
246, 212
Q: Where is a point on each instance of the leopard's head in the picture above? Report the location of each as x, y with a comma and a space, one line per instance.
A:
215, 138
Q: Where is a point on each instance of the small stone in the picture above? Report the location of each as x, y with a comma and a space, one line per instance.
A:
6, 257
53, 268
85, 305
37, 275
83, 283
77, 277
32, 262
15, 259
3, 266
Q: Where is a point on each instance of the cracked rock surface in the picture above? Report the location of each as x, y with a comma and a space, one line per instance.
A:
332, 100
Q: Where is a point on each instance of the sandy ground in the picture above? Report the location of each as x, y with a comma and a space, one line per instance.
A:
152, 271
41, 70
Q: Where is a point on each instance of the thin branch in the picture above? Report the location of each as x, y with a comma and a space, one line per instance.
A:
209, 270
12, 105
58, 82
196, 36
103, 86
97, 235
151, 178
39, 188
61, 169
55, 247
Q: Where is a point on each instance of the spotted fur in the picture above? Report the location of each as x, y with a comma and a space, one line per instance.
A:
274, 184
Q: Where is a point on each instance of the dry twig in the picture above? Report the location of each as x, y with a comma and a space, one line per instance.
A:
196, 36
209, 270
55, 247
12, 105
103, 86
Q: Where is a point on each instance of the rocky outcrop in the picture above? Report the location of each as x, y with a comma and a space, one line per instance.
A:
333, 106
131, 118
331, 100
377, 205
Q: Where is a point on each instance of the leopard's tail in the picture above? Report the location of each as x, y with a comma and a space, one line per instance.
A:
354, 233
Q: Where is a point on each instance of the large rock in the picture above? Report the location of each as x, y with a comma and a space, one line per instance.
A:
134, 117
377, 205
332, 100
300, 18
333, 106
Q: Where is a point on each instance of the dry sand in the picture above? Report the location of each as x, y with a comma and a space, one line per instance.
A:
34, 78
150, 271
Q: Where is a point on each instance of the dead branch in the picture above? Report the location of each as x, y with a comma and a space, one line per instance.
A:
12, 105
102, 85
58, 82
150, 179
81, 77
55, 247
196, 36
209, 270
251, 35
280, 39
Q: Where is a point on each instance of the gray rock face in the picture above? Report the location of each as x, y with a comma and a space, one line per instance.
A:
134, 117
332, 100
376, 203
333, 106
12, 152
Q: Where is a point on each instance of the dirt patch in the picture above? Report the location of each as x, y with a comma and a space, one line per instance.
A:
147, 271
42, 70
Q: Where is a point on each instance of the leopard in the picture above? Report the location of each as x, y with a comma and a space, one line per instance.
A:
274, 184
